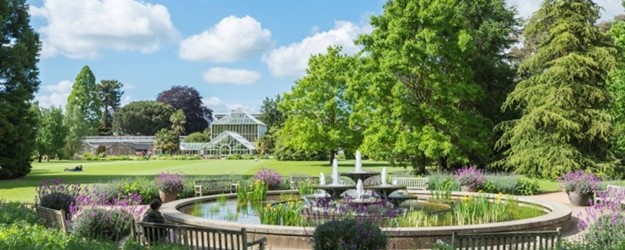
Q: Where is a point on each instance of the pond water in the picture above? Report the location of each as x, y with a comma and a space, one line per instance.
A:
410, 214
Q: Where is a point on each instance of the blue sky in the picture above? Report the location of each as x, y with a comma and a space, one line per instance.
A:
234, 52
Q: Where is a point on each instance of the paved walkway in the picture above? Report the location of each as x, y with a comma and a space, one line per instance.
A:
571, 233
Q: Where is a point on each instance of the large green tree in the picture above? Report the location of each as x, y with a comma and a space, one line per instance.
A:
19, 49
110, 93
428, 68
85, 98
617, 91
52, 133
273, 117
316, 109
142, 118
562, 95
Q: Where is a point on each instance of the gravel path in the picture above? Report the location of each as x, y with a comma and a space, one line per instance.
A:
571, 233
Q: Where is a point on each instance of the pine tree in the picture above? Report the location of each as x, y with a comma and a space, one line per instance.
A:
562, 96
19, 49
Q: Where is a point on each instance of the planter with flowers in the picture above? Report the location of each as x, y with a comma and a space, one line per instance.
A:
470, 178
580, 186
169, 185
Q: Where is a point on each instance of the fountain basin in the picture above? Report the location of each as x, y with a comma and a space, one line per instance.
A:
284, 237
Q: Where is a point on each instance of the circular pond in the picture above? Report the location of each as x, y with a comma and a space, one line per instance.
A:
299, 237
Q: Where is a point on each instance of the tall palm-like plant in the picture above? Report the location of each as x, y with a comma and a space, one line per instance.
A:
178, 120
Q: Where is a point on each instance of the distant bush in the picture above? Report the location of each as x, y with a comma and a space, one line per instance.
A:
24, 236
234, 157
102, 224
290, 154
12, 212
349, 234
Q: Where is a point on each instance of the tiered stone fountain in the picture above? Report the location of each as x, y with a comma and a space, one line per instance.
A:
335, 189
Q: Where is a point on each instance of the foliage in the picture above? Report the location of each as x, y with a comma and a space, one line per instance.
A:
479, 210
234, 157
102, 224
109, 93
56, 195
178, 120
19, 81
51, 133
527, 186
142, 118
24, 236
190, 101
469, 176
12, 212
270, 177
292, 154
421, 80
167, 141
506, 184
562, 95
77, 129
170, 182
270, 114
284, 213
580, 182
85, 99
306, 187
317, 111
251, 192
439, 181
349, 234
144, 187
204, 136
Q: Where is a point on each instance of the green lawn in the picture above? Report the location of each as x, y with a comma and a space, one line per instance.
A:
98, 172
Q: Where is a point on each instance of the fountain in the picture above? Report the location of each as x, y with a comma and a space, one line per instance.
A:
358, 173
322, 179
335, 189
383, 177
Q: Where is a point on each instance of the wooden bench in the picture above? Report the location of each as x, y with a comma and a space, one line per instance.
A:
213, 186
52, 218
411, 183
612, 194
536, 240
195, 238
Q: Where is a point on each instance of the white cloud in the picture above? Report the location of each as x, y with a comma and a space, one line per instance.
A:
292, 60
230, 76
82, 29
220, 107
229, 40
54, 94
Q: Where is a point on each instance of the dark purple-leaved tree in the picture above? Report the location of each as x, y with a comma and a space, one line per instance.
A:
190, 101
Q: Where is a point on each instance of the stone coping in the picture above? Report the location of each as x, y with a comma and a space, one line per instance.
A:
557, 214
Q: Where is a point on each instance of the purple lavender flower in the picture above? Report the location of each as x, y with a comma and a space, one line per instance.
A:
170, 182
580, 182
469, 176
269, 176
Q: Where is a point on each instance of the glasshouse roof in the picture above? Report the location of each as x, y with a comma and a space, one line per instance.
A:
229, 134
238, 116
192, 146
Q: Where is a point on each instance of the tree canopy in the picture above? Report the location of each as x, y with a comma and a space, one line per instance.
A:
19, 50
562, 95
85, 98
110, 93
142, 118
190, 101
52, 133
316, 109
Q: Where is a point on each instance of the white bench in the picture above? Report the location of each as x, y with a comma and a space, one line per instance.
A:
411, 183
612, 194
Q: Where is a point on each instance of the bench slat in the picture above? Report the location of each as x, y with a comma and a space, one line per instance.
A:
508, 240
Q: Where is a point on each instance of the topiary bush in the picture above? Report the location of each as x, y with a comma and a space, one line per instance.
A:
349, 234
102, 224
12, 212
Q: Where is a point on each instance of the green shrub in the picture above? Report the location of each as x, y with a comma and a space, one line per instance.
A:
57, 201
439, 181
234, 157
144, 187
608, 232
348, 234
527, 186
102, 224
11, 212
24, 236
506, 184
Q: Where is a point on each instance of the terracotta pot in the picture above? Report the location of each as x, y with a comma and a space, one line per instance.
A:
467, 188
579, 199
167, 197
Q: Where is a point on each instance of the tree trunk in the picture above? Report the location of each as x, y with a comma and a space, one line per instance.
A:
422, 163
442, 163
332, 156
40, 157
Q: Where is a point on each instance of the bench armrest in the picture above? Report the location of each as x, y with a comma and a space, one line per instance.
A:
260, 242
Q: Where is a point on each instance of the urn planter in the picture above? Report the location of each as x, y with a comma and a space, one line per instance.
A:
466, 188
167, 196
577, 199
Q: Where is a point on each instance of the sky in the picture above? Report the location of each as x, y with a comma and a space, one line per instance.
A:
234, 52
